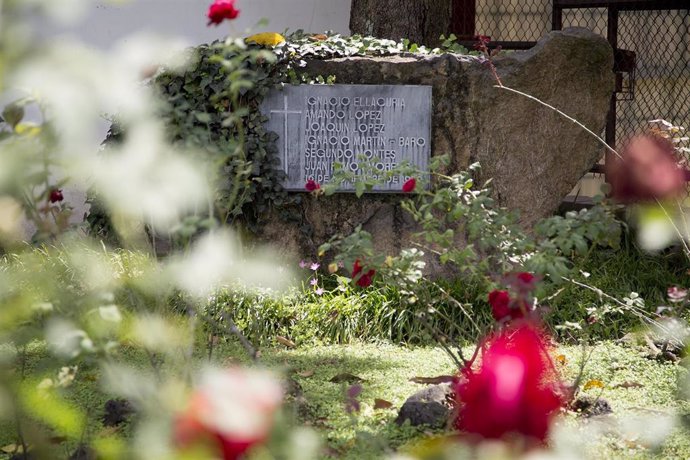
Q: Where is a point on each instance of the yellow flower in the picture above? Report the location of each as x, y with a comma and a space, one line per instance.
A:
27, 129
266, 39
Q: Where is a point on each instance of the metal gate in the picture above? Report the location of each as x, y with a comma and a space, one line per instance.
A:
651, 39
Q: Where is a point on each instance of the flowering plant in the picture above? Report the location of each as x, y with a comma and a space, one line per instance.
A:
220, 10
514, 392
232, 408
86, 315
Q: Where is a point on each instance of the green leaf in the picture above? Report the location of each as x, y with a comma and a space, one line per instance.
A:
13, 114
360, 187
203, 117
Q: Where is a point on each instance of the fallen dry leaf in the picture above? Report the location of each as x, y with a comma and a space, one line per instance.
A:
594, 384
382, 404
287, 342
109, 431
629, 385
305, 374
433, 380
318, 37
13, 448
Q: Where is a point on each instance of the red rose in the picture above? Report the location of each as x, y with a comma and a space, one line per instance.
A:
515, 391
500, 304
365, 279
55, 196
221, 10
525, 277
409, 185
312, 185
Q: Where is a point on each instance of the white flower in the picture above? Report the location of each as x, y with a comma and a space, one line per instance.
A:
11, 215
42, 307
157, 334
46, 384
655, 235
240, 403
647, 430
66, 376
147, 180
65, 340
110, 313
218, 260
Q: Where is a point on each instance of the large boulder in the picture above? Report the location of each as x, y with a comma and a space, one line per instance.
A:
534, 155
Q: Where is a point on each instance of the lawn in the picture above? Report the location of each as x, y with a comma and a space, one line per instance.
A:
634, 385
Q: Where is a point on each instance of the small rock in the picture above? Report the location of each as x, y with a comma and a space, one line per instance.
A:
116, 412
586, 406
293, 388
429, 406
630, 339
294, 398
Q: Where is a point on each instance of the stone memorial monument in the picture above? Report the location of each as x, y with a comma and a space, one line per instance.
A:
321, 125
534, 156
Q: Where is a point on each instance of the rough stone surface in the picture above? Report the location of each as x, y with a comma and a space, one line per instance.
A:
428, 406
534, 155
586, 406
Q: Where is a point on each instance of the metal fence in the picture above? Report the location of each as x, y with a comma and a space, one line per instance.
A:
651, 39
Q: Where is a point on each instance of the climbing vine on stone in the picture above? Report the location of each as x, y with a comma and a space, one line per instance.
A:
213, 107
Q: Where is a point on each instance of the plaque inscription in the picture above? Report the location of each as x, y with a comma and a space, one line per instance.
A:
320, 125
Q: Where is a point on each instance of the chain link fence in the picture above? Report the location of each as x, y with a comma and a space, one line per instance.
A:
652, 52
660, 83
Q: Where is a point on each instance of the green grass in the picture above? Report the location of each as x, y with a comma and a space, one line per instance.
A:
385, 313
386, 370
618, 273
376, 335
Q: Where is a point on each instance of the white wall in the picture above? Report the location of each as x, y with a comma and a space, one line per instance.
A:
107, 22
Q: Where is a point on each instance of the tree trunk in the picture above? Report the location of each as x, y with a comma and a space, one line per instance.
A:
420, 21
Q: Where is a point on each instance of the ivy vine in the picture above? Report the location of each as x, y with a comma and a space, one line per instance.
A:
213, 107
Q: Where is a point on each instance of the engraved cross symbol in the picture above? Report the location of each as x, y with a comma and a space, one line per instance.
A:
287, 114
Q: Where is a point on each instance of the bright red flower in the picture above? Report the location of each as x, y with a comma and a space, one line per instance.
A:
514, 391
409, 185
365, 279
55, 196
500, 304
312, 185
221, 10
525, 277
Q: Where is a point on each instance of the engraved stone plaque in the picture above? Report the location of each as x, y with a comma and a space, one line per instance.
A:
320, 125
